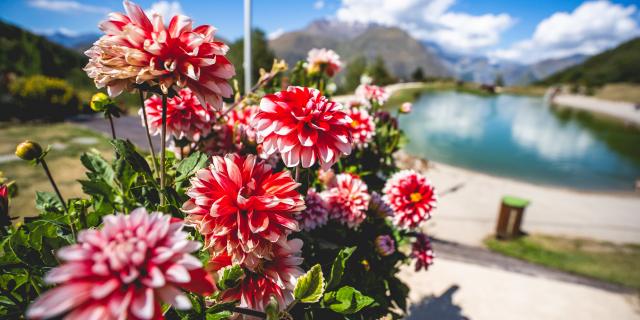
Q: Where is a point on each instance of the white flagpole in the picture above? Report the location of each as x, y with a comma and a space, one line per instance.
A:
247, 46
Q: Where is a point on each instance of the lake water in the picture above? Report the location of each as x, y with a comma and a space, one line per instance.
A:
522, 138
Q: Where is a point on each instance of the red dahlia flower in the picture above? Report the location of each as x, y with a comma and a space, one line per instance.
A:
276, 277
347, 199
372, 93
362, 126
304, 127
136, 50
422, 252
323, 60
242, 207
316, 214
412, 198
186, 117
125, 270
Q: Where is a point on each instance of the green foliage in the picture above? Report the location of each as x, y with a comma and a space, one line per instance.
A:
620, 64
418, 75
40, 97
379, 73
337, 268
310, 286
347, 300
230, 277
353, 72
261, 56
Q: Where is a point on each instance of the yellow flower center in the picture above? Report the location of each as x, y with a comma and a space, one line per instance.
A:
415, 197
355, 124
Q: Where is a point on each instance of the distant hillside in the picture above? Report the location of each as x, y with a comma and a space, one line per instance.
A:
80, 42
620, 64
401, 53
25, 53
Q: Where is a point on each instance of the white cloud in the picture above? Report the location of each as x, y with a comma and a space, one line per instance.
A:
319, 4
66, 6
431, 20
167, 9
275, 34
592, 27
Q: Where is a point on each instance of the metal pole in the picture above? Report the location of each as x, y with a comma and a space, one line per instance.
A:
247, 46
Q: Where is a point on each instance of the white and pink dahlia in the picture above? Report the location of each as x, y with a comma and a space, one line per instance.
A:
242, 207
323, 60
240, 121
422, 252
186, 117
136, 50
385, 245
316, 214
412, 198
362, 126
125, 270
372, 94
304, 127
348, 199
276, 277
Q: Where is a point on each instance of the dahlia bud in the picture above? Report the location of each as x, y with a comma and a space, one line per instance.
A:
385, 245
406, 107
29, 150
100, 102
5, 220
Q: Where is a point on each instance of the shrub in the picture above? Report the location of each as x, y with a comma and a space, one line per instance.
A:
40, 97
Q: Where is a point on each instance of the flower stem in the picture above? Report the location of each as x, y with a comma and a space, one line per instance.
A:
53, 183
250, 312
163, 142
146, 127
113, 129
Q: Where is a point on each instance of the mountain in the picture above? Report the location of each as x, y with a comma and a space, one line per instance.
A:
25, 53
401, 53
79, 42
620, 64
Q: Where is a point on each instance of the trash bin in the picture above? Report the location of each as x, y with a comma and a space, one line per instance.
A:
510, 216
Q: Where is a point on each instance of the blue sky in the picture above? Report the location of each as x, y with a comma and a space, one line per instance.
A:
499, 28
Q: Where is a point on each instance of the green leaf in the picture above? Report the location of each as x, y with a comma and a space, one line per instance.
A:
221, 311
48, 202
222, 315
188, 166
126, 150
310, 286
99, 168
337, 269
230, 277
347, 300
272, 309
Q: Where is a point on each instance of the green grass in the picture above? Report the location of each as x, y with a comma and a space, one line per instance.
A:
63, 160
606, 261
411, 94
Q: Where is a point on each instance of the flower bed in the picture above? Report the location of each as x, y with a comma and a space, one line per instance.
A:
278, 204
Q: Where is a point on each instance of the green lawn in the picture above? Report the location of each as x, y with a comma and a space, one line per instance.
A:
63, 160
601, 260
411, 94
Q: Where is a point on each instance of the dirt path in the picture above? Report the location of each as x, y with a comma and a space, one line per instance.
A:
625, 111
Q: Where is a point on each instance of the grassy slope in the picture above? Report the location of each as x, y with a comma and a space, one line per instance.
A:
64, 163
602, 260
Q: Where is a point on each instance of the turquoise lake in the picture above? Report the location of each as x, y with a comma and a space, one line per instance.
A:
522, 138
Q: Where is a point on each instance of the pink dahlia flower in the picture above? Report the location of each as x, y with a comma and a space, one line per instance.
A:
326, 60
372, 93
136, 50
406, 107
316, 214
422, 251
241, 206
240, 121
362, 126
412, 198
186, 117
125, 270
277, 277
304, 127
348, 199
385, 245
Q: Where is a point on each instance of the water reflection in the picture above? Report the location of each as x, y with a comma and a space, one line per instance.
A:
520, 137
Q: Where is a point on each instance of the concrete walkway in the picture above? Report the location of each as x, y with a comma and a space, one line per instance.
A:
624, 111
453, 290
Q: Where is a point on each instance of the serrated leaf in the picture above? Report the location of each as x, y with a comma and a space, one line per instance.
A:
310, 286
347, 300
190, 165
230, 277
48, 202
337, 269
99, 168
221, 311
126, 150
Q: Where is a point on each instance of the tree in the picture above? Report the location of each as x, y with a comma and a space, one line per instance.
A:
353, 72
261, 56
379, 72
418, 75
499, 81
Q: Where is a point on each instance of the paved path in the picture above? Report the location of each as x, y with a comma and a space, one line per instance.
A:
127, 127
625, 111
453, 290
